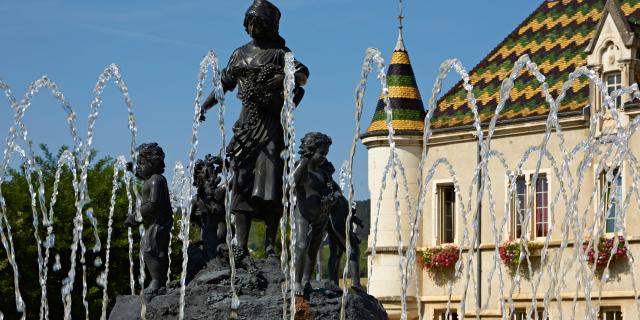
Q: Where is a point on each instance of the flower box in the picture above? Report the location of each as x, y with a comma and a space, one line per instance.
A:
511, 250
440, 258
605, 246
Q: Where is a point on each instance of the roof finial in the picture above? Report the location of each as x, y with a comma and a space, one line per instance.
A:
400, 43
400, 14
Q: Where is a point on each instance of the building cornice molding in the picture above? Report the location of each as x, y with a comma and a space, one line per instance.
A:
577, 120
489, 246
400, 140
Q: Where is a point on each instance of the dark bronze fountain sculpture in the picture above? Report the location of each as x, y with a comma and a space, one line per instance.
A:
254, 158
208, 205
337, 239
157, 215
317, 193
256, 69
321, 210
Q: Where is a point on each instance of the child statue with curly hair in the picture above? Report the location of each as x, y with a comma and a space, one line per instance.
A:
208, 207
157, 215
317, 193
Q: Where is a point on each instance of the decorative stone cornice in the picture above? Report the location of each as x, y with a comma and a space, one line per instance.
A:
613, 8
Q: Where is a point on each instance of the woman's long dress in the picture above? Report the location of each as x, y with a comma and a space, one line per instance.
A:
255, 149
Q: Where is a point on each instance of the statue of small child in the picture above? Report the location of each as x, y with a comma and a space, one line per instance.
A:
317, 193
157, 215
208, 204
338, 244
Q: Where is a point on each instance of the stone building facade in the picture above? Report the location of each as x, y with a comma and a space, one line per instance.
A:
525, 206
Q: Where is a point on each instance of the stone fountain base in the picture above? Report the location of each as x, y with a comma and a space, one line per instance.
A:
208, 297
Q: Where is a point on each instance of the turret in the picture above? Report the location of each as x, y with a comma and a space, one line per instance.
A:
408, 124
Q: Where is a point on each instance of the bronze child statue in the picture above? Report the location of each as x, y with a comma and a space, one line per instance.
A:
338, 244
257, 70
157, 215
208, 204
317, 193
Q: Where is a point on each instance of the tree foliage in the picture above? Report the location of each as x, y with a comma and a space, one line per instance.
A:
15, 191
19, 213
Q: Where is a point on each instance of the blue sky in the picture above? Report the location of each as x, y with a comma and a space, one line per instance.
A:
159, 44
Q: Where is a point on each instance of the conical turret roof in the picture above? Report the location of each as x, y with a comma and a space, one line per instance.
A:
405, 100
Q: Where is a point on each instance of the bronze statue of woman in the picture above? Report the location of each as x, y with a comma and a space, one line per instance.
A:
254, 152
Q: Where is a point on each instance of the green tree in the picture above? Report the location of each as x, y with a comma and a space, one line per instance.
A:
99, 179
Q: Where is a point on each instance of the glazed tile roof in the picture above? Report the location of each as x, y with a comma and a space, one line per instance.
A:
555, 37
404, 98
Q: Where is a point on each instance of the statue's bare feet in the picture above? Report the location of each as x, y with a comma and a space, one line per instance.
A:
297, 289
154, 285
152, 290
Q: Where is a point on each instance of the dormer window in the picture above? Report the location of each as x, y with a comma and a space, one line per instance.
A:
613, 81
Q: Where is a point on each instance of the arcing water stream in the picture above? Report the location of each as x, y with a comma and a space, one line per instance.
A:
481, 183
595, 152
289, 199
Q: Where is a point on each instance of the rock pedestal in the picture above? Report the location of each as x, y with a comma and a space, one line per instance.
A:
208, 297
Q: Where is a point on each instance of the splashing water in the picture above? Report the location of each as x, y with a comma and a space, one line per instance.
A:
289, 200
570, 166
118, 168
57, 265
372, 56
66, 158
79, 153
111, 72
342, 176
481, 182
132, 277
19, 130
209, 61
175, 191
219, 93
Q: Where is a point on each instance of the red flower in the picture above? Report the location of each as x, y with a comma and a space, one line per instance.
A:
439, 258
510, 253
605, 246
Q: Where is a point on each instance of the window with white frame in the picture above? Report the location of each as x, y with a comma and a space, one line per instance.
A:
610, 313
446, 213
539, 224
519, 206
613, 81
442, 315
611, 196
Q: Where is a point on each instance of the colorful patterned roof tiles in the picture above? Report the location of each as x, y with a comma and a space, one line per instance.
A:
405, 100
555, 37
